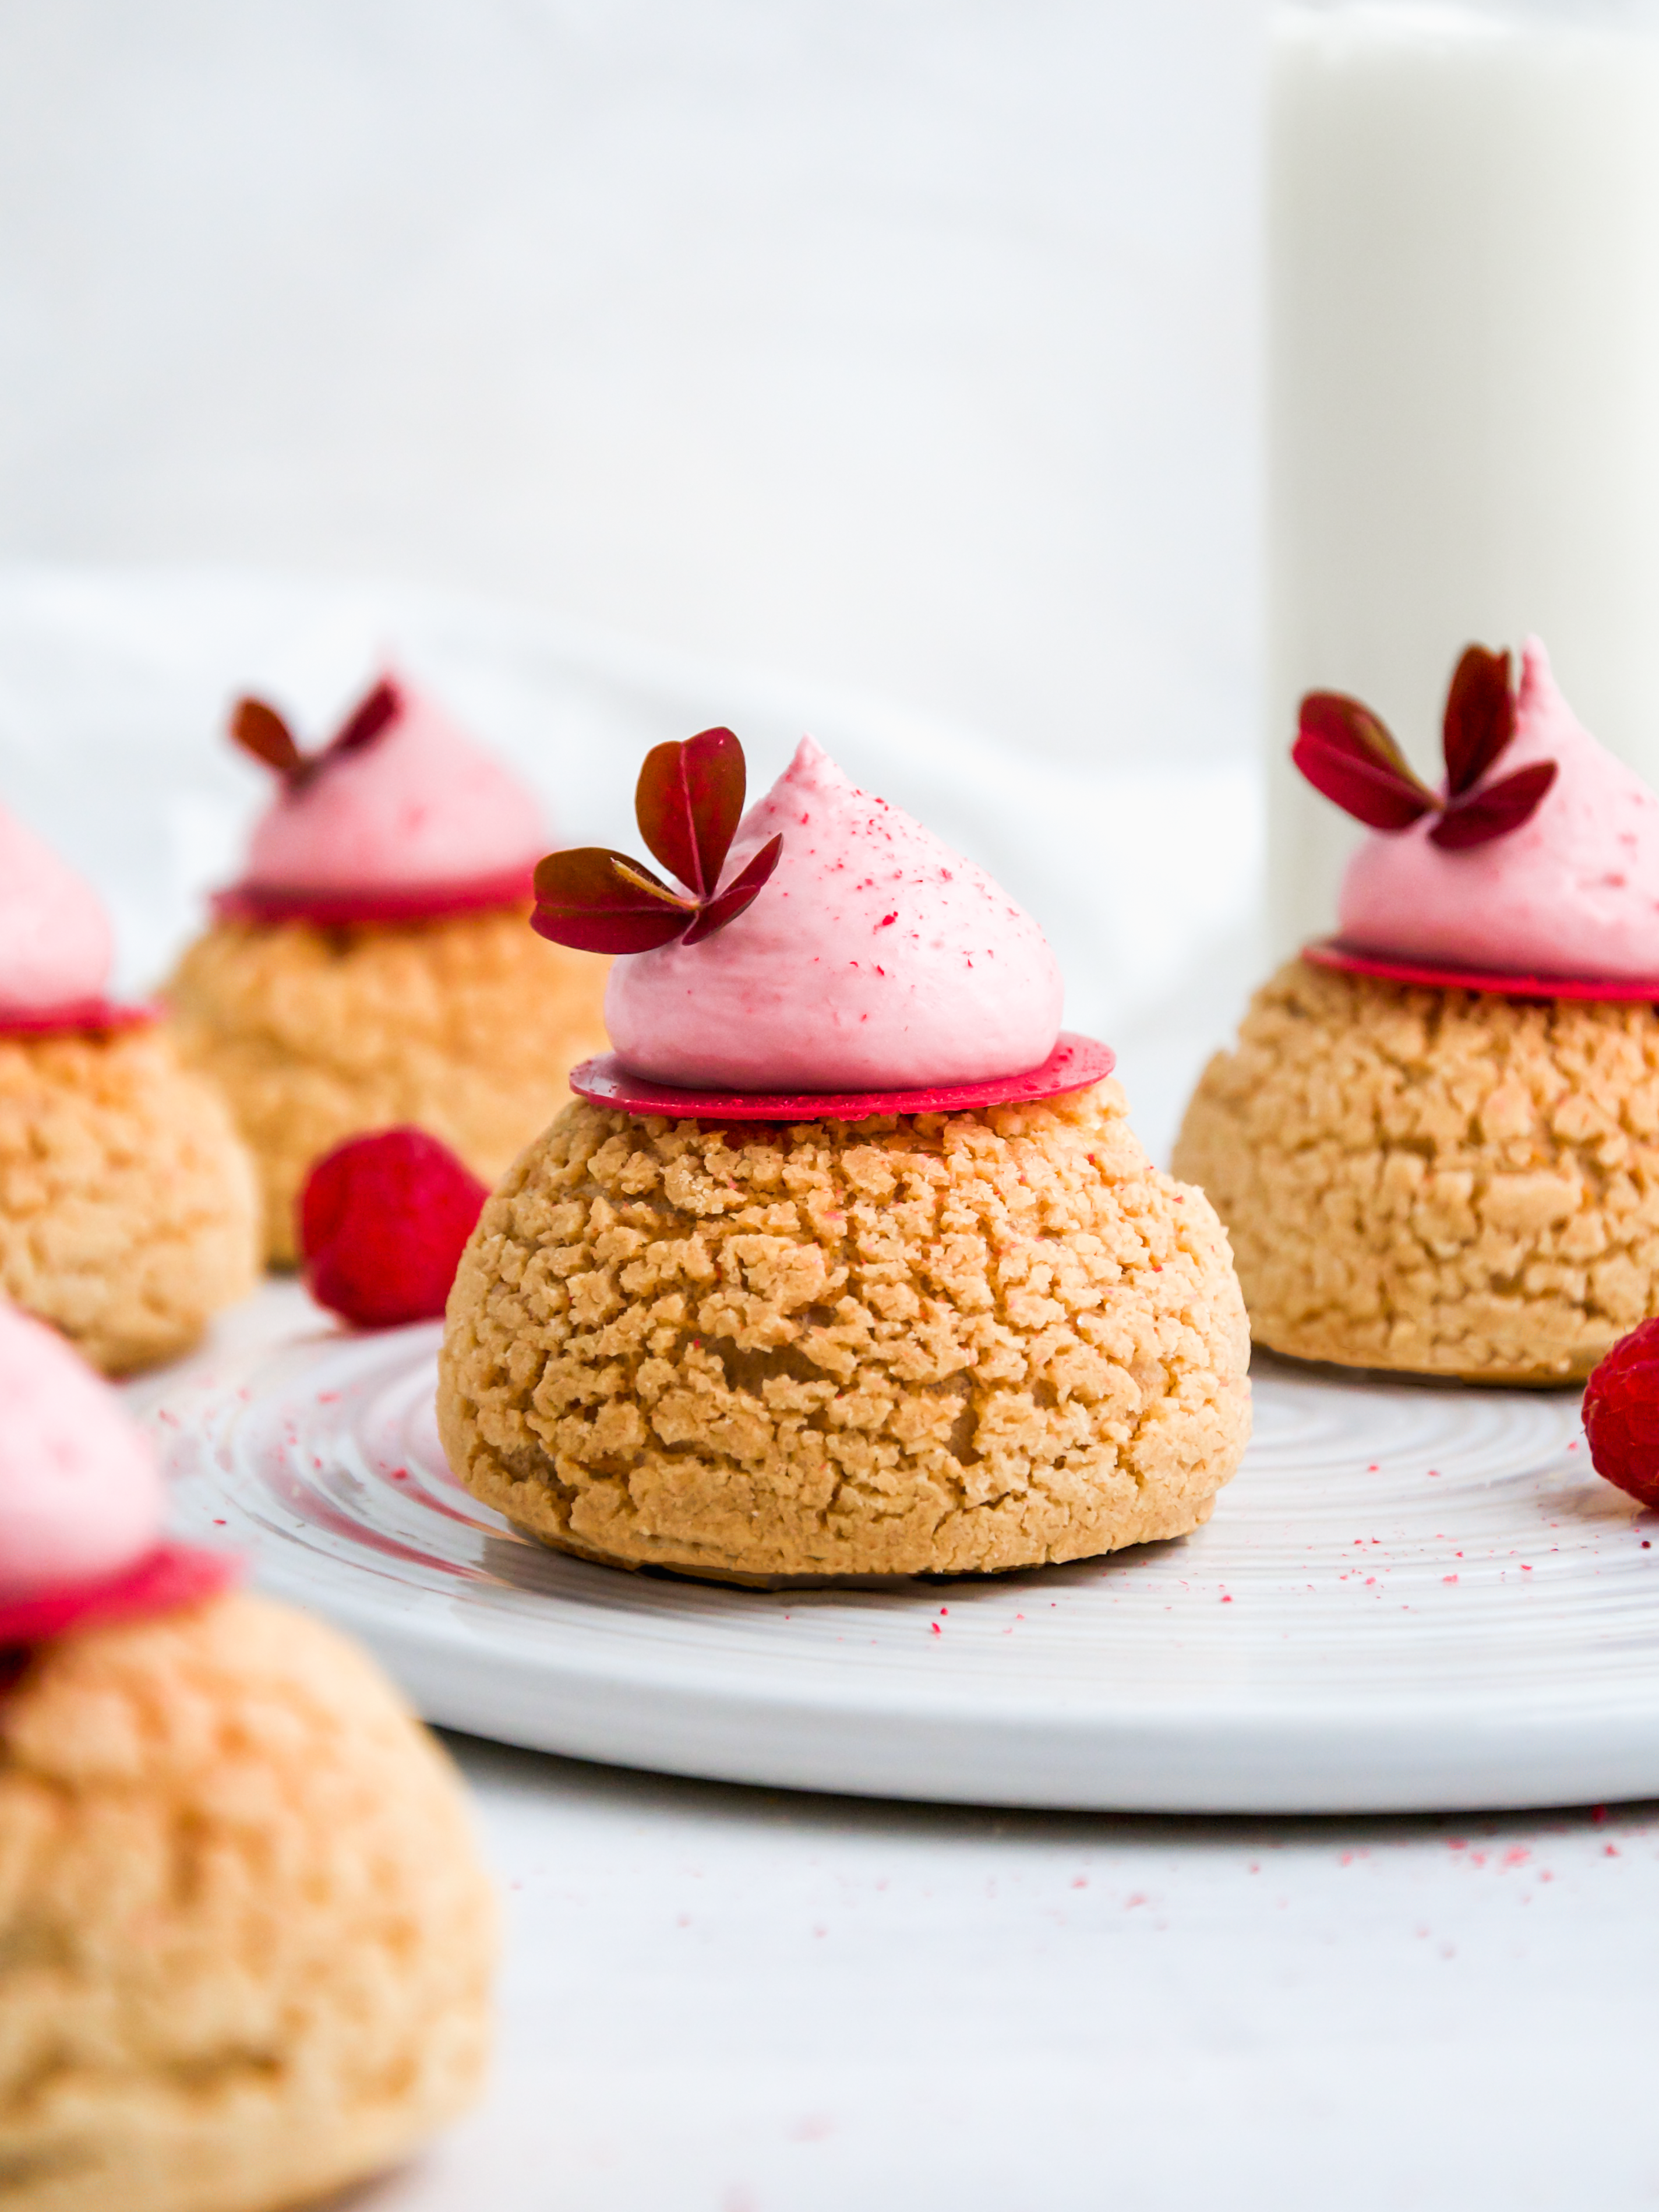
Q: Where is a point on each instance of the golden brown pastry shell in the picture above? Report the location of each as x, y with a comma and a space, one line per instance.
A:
246, 1940
923, 1344
1434, 1182
128, 1210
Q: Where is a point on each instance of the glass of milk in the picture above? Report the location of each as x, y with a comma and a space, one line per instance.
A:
1463, 374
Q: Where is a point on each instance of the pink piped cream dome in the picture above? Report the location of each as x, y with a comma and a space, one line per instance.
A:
789, 1307
414, 808
57, 948
878, 958
1436, 1145
80, 1494
1573, 891
370, 968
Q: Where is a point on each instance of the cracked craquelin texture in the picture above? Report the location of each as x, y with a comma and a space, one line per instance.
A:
465, 1026
917, 1345
128, 1212
246, 1940
1443, 1182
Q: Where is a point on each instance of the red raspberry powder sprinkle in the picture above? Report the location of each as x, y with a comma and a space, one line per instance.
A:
383, 1220
1621, 1414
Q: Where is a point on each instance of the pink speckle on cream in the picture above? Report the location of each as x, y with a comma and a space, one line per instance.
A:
875, 958
56, 945
419, 805
1573, 892
80, 1494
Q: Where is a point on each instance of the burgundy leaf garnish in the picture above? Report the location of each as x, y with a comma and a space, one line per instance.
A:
602, 902
1480, 717
1346, 753
366, 721
725, 906
261, 731
688, 802
1494, 810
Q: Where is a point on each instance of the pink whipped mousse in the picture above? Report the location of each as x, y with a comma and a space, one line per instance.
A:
1573, 892
55, 945
876, 958
419, 805
81, 1495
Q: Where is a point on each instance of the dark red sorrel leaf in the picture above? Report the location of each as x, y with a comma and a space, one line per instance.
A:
1480, 717
688, 801
1494, 810
602, 902
1372, 795
366, 721
1347, 753
1344, 752
261, 731
1349, 728
739, 895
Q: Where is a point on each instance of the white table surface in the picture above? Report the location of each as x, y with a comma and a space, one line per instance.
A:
745, 2001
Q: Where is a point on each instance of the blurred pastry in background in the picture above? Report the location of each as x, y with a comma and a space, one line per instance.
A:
128, 1207
847, 1261
372, 968
1435, 1144
246, 1943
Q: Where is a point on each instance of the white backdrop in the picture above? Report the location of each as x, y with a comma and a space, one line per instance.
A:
901, 346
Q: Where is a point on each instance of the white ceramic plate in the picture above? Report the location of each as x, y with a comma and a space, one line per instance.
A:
1410, 1598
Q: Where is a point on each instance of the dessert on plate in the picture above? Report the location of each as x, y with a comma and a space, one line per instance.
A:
846, 1260
372, 966
1435, 1144
128, 1212
246, 1940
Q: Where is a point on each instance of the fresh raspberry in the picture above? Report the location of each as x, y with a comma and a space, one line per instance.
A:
1621, 1414
382, 1222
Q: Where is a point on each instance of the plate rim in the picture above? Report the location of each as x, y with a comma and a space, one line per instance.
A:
584, 1690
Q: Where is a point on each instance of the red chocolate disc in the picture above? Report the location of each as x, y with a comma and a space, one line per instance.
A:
166, 1579
75, 1014
1073, 1065
269, 902
1351, 960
